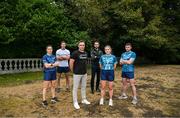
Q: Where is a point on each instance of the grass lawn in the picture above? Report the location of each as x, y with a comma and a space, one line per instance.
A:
157, 87
20, 78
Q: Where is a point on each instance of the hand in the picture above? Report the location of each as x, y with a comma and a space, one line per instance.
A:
121, 63
56, 64
48, 65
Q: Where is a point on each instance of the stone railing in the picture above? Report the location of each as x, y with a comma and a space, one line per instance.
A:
22, 65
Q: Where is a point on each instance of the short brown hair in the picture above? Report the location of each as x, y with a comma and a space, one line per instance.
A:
63, 42
96, 41
81, 41
128, 44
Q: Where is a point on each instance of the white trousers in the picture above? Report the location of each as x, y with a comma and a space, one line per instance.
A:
79, 79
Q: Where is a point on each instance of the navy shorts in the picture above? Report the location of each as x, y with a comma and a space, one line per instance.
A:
50, 75
107, 75
62, 69
129, 75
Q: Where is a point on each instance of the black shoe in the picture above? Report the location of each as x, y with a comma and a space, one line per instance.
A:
58, 90
54, 100
92, 91
44, 103
98, 90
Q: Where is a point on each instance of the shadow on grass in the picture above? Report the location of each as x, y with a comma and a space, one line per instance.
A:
157, 92
96, 110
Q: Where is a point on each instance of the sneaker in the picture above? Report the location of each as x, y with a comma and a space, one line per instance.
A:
54, 100
123, 97
134, 101
98, 90
110, 102
44, 103
101, 101
76, 105
85, 101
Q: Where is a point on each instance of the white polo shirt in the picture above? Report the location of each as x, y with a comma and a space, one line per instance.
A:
61, 52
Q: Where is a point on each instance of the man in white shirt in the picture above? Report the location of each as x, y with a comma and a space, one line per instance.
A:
63, 56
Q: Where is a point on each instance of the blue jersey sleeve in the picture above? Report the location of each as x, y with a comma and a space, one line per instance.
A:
100, 60
55, 59
133, 56
121, 58
115, 60
44, 60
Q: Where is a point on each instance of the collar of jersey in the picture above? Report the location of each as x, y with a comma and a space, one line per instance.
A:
49, 54
108, 54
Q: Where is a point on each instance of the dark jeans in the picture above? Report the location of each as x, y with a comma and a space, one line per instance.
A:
95, 71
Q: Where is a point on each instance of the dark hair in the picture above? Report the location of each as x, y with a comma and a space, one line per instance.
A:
49, 46
96, 41
128, 44
81, 41
63, 42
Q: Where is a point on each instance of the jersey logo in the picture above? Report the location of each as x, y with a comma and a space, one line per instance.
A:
83, 56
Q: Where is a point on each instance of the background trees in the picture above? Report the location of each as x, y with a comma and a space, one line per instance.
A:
27, 26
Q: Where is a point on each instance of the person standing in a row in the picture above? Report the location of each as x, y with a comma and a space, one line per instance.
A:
127, 62
78, 65
63, 56
96, 53
107, 64
49, 67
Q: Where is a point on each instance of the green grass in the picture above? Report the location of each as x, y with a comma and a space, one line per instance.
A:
23, 78
20, 78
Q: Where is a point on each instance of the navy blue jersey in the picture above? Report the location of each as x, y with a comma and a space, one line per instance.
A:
49, 59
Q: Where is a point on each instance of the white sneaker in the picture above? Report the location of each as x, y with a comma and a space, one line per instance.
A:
76, 105
110, 102
134, 101
85, 101
101, 101
123, 97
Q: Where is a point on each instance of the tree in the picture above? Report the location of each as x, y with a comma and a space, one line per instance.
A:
152, 26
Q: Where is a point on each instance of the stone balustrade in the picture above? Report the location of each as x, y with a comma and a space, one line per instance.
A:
8, 66
20, 65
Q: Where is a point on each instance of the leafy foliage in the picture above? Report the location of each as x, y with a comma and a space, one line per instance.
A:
151, 25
